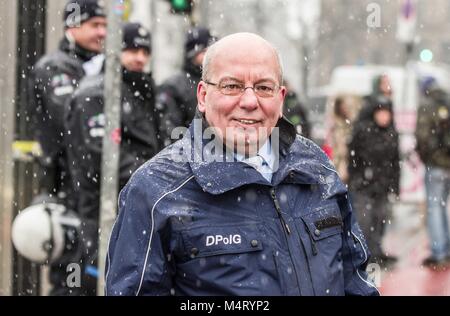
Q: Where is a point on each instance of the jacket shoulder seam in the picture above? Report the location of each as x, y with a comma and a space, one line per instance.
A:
153, 226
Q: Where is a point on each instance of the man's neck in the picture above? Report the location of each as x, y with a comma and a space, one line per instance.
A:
265, 151
69, 45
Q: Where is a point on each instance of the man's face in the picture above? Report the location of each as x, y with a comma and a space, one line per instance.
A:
135, 59
90, 34
385, 86
383, 118
248, 118
198, 59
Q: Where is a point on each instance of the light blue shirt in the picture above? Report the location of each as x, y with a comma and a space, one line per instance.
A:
263, 162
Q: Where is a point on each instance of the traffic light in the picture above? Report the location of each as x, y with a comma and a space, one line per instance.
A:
426, 55
181, 6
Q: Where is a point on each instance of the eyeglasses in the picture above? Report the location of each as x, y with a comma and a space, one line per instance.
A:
263, 90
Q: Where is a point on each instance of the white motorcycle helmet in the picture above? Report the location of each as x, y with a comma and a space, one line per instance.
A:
39, 232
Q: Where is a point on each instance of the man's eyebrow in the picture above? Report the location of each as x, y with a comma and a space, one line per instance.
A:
230, 78
264, 80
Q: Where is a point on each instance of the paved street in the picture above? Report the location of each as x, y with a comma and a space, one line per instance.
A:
407, 238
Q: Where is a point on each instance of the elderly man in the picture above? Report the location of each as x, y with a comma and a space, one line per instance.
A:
273, 220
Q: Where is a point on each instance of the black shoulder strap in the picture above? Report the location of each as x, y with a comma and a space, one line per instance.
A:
49, 244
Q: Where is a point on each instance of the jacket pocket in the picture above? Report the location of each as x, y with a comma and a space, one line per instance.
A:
321, 233
323, 222
216, 240
227, 260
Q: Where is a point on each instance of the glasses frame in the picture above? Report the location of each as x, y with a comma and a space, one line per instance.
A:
217, 85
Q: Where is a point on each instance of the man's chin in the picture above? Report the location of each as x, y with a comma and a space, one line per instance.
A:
97, 47
136, 69
248, 144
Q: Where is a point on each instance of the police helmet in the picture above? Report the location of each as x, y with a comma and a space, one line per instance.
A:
45, 232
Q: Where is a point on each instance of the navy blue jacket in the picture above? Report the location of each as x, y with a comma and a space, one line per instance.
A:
219, 228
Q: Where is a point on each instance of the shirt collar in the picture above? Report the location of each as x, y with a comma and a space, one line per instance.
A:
265, 152
220, 177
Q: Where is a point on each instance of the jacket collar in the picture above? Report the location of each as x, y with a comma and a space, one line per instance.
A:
194, 71
300, 162
69, 46
138, 82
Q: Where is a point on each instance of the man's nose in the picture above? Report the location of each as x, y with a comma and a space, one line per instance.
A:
249, 100
142, 57
101, 32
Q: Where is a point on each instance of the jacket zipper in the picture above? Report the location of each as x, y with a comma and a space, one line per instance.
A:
287, 230
278, 208
286, 226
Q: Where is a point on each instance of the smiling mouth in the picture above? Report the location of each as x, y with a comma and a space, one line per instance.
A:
248, 122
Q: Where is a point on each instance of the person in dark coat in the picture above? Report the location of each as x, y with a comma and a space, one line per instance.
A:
374, 171
271, 219
433, 146
85, 123
297, 114
51, 83
381, 86
177, 99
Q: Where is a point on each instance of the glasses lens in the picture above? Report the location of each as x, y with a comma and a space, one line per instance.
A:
231, 88
265, 90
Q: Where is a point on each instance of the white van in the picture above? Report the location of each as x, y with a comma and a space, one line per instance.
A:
405, 82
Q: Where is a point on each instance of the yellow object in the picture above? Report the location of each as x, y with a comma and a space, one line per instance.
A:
127, 10
24, 149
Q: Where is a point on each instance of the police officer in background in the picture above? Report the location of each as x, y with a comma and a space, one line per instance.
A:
177, 100
295, 112
85, 122
52, 80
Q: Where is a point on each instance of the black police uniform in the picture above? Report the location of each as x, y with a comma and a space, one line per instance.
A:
177, 96
85, 123
52, 81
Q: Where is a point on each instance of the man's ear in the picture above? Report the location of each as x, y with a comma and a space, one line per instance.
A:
283, 92
201, 96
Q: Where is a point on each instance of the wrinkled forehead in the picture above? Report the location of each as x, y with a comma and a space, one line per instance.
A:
257, 61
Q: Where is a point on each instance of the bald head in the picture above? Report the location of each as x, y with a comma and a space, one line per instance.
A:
238, 46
